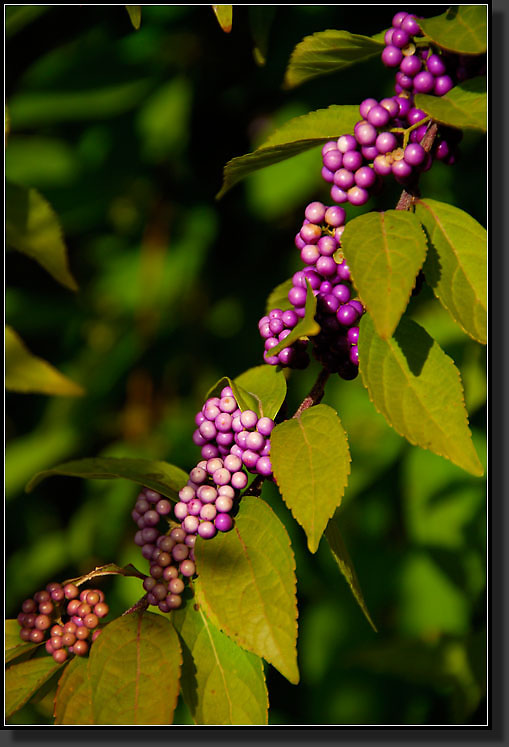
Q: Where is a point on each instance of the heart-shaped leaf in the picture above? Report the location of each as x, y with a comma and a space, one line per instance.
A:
247, 585
464, 106
327, 52
456, 264
165, 478
73, 702
461, 29
224, 15
24, 680
342, 558
32, 227
384, 251
221, 683
311, 463
134, 671
307, 327
296, 136
267, 385
14, 646
418, 389
25, 372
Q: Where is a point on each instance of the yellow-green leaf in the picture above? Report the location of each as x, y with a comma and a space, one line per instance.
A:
418, 389
464, 106
306, 327
224, 15
267, 384
345, 565
311, 463
248, 587
23, 680
161, 476
278, 298
461, 29
25, 372
32, 227
327, 52
73, 702
385, 251
456, 265
295, 136
134, 671
222, 684
14, 646
135, 15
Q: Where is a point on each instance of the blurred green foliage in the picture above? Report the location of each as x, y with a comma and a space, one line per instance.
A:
125, 133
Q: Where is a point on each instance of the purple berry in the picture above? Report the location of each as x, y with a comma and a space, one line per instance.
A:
264, 466
410, 65
411, 25
224, 522
315, 212
379, 116
400, 38
424, 82
366, 106
338, 195
343, 179
414, 154
443, 85
386, 142
365, 177
207, 530
365, 133
398, 19
346, 143
358, 196
436, 65
333, 160
335, 216
352, 160
392, 56
347, 315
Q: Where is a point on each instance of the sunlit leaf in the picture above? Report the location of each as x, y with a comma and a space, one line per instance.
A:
134, 671
247, 585
306, 327
296, 136
222, 684
327, 52
418, 389
163, 477
135, 15
311, 463
14, 646
461, 29
25, 372
456, 265
32, 228
73, 702
385, 251
224, 15
267, 385
464, 106
24, 680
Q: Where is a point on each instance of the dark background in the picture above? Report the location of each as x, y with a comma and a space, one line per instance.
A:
126, 134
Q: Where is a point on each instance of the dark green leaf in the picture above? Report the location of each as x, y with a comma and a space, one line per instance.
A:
327, 52
342, 558
25, 372
134, 671
311, 463
385, 251
456, 265
260, 21
224, 15
161, 476
73, 702
14, 646
23, 680
247, 585
306, 327
135, 15
32, 227
418, 389
221, 683
296, 136
17, 17
278, 298
461, 29
267, 385
463, 107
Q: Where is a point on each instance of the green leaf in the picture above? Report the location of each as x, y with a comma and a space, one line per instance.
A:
134, 671
247, 585
267, 385
296, 136
327, 52
135, 15
161, 476
23, 680
311, 463
464, 106
461, 29
221, 683
456, 265
418, 389
278, 298
224, 15
245, 400
32, 227
260, 22
25, 372
345, 565
385, 251
17, 17
73, 702
307, 327
14, 646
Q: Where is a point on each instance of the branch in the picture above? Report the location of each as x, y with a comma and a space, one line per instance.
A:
316, 393
141, 604
411, 193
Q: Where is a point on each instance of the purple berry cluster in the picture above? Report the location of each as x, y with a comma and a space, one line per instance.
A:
44, 613
337, 312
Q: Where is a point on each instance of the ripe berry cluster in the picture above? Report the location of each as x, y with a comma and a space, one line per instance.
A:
46, 610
